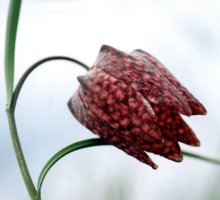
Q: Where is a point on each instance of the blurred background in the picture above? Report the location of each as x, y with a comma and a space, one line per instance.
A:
183, 35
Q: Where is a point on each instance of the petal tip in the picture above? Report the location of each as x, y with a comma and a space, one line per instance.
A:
155, 166
80, 78
106, 47
197, 144
81, 81
176, 157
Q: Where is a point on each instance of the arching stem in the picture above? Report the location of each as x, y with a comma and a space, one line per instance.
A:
33, 67
12, 123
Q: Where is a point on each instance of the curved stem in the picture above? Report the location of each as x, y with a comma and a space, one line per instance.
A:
34, 66
12, 123
71, 148
19, 155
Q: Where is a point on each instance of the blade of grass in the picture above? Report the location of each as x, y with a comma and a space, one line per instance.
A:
11, 31
91, 143
71, 148
201, 157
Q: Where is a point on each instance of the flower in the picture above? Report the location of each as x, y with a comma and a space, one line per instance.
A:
133, 102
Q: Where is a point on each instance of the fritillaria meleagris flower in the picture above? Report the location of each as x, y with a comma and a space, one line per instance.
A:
133, 102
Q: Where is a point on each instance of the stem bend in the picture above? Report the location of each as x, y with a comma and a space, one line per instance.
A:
17, 90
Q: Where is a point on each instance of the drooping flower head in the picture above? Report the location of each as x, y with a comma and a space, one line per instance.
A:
133, 102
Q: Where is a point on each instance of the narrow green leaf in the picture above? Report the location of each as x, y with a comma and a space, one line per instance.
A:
33, 67
11, 30
71, 148
91, 143
202, 158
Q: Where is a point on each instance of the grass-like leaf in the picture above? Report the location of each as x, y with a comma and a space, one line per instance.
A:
69, 149
11, 31
201, 157
91, 143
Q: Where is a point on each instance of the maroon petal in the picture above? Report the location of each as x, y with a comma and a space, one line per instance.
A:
169, 149
133, 102
120, 106
173, 126
140, 131
110, 135
142, 77
184, 133
195, 105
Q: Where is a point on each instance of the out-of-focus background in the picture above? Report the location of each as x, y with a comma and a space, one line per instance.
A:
183, 35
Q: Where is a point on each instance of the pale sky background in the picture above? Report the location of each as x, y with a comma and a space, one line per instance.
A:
183, 35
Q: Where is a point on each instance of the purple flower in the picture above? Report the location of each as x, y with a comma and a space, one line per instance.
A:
134, 103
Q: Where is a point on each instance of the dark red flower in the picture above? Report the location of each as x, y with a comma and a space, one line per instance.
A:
133, 102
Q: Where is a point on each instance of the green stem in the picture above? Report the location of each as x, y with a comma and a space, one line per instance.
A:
10, 41
12, 123
19, 155
33, 67
11, 31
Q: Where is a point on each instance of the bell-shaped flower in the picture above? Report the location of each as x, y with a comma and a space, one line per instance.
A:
134, 103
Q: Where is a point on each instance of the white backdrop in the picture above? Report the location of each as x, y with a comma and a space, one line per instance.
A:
183, 35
